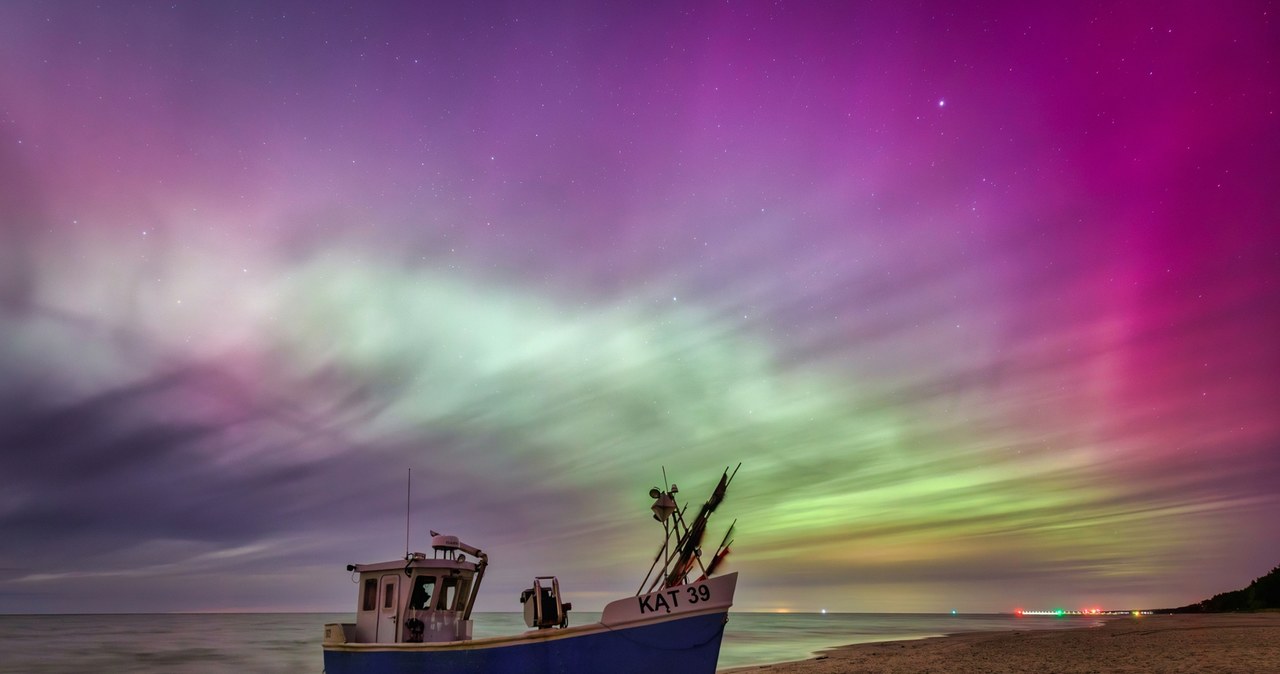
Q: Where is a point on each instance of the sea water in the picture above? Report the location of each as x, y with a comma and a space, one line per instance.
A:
280, 643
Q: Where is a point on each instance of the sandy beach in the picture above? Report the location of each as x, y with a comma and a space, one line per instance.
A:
1243, 643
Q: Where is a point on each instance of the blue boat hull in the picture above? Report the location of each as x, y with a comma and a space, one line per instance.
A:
686, 645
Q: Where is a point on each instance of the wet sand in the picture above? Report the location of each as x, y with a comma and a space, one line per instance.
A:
1246, 643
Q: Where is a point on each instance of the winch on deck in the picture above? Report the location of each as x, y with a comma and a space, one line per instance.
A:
542, 605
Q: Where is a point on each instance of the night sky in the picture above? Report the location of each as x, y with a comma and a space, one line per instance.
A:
985, 297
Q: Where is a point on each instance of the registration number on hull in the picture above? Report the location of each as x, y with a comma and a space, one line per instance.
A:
670, 600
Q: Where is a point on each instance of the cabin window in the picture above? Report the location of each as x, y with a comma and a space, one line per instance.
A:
448, 589
370, 595
389, 599
423, 587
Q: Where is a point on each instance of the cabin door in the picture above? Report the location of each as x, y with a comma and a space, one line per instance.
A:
388, 603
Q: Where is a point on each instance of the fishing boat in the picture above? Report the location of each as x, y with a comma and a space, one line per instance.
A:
413, 615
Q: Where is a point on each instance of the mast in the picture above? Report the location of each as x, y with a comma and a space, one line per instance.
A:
408, 491
688, 551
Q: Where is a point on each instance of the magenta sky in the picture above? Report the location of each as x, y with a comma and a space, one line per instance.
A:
986, 299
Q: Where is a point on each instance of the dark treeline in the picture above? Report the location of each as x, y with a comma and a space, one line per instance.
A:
1262, 593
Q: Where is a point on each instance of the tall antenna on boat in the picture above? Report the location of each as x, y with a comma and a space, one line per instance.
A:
666, 531
408, 490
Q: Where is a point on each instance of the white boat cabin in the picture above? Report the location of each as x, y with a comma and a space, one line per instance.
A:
418, 599
421, 600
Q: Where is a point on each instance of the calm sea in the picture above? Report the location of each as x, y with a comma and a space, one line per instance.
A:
279, 643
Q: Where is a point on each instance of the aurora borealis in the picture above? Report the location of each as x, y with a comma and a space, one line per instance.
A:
986, 299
